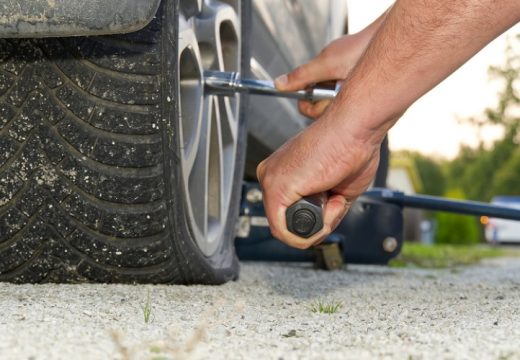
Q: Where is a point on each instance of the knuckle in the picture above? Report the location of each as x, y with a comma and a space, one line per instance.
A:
327, 229
329, 52
266, 181
325, 52
297, 73
322, 105
260, 170
304, 107
332, 67
318, 109
302, 245
314, 111
276, 233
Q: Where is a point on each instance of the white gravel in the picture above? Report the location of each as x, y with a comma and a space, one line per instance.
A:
473, 313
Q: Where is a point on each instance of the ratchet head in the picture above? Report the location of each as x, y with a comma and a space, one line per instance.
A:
224, 83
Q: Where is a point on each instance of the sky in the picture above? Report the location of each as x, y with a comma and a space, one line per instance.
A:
431, 125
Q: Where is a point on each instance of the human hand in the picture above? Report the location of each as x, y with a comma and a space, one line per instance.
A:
338, 154
334, 62
328, 156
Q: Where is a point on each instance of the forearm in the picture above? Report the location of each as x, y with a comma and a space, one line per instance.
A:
371, 29
365, 36
417, 45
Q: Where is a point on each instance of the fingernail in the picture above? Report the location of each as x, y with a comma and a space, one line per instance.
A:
281, 80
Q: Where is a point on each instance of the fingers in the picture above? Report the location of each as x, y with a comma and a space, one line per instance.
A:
304, 75
313, 110
305, 165
276, 205
277, 198
335, 210
276, 201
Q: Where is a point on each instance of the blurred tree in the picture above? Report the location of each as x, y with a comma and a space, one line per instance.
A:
482, 172
430, 173
506, 113
454, 228
507, 179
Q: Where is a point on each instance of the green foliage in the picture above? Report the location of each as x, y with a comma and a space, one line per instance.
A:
507, 179
480, 173
509, 98
458, 166
484, 173
430, 173
445, 256
456, 229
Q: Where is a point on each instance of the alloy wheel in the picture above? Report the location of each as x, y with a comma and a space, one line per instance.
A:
209, 39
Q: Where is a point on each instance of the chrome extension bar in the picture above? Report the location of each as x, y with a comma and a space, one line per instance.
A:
228, 83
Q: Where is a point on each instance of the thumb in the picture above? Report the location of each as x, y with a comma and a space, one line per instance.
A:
304, 75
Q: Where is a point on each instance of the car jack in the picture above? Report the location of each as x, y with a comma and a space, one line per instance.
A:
371, 233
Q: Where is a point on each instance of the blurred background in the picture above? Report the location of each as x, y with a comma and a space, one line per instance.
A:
460, 140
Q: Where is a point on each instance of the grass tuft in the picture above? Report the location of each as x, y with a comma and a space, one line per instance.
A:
147, 308
323, 307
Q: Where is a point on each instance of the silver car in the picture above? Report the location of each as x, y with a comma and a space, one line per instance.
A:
115, 166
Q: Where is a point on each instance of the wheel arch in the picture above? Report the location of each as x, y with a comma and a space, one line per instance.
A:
53, 18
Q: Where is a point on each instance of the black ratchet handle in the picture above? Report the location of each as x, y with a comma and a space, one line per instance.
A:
305, 217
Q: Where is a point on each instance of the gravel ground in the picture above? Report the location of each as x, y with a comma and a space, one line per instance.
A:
387, 313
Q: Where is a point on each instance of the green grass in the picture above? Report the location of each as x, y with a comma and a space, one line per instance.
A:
446, 256
324, 307
147, 308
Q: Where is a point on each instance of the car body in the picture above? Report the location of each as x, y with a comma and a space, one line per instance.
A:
286, 34
115, 164
499, 231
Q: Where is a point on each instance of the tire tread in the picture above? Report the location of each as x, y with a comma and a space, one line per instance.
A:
81, 165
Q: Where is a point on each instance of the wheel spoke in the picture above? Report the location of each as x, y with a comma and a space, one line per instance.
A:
198, 174
216, 185
191, 96
209, 124
230, 123
229, 129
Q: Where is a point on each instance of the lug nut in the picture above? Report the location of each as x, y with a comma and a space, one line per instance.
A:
254, 196
390, 244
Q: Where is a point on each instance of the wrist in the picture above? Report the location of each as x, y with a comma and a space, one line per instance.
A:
359, 123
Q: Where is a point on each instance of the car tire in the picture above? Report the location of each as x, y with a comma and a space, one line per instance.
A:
114, 164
